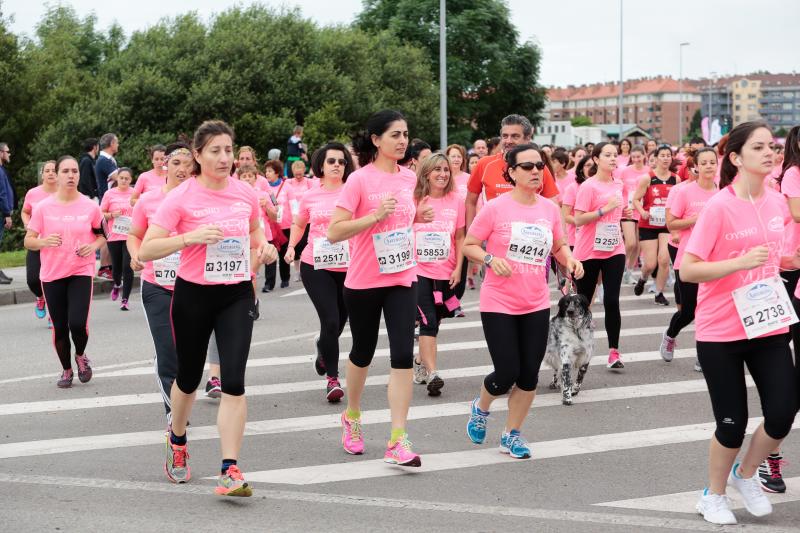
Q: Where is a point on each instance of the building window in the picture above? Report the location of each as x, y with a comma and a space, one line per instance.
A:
738, 97
563, 128
738, 107
751, 96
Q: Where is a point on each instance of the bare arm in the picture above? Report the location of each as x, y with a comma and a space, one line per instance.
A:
676, 224
471, 208
641, 190
343, 227
794, 207
695, 270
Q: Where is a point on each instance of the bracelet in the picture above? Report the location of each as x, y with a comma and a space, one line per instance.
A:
377, 220
600, 212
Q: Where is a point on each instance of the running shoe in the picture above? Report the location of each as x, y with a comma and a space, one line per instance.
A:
435, 384
614, 359
84, 370
400, 454
770, 474
124, 305
65, 381
255, 313
49, 323
715, 508
105, 273
651, 287
284, 284
319, 362
626, 277
214, 387
176, 465
115, 292
232, 483
459, 312
476, 425
639, 288
697, 367
267, 288
753, 497
667, 348
420, 373
334, 392
661, 299
41, 311
352, 439
471, 284
515, 445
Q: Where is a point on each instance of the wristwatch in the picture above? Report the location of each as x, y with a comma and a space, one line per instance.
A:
487, 259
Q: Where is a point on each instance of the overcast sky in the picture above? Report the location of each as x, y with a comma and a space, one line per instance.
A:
579, 38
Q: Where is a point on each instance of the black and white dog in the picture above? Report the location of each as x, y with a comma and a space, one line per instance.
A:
570, 345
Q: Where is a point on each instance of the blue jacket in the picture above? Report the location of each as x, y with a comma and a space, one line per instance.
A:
6, 194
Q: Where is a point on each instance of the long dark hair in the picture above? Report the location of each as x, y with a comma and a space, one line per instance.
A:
580, 177
318, 159
377, 124
596, 151
791, 151
736, 140
203, 135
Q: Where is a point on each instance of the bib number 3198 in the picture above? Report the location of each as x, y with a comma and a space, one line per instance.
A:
394, 250
764, 306
228, 260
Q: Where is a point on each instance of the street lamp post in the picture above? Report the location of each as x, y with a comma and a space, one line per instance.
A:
442, 76
621, 83
680, 94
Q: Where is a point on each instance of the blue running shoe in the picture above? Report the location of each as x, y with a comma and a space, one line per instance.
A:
476, 425
515, 445
41, 308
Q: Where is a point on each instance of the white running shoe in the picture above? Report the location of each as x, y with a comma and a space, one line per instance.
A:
420, 373
626, 277
755, 501
715, 508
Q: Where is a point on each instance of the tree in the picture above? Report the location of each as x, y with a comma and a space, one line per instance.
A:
580, 121
696, 127
490, 74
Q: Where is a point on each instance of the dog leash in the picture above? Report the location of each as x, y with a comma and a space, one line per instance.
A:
565, 284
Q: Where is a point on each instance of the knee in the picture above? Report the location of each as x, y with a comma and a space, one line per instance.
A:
331, 328
360, 360
498, 384
429, 328
233, 389
777, 425
402, 361
730, 434
527, 383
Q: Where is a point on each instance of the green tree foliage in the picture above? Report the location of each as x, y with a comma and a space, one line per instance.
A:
580, 121
696, 127
490, 73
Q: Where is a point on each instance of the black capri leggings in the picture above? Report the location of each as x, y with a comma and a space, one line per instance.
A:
612, 269
399, 306
688, 298
324, 287
157, 301
673, 254
121, 266
770, 363
33, 264
199, 310
68, 300
517, 344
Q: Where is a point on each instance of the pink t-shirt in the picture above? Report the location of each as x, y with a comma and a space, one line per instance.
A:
526, 290
728, 227
287, 203
592, 195
33, 197
449, 216
264, 219
316, 207
563, 183
461, 185
686, 200
622, 160
300, 186
113, 200
568, 199
630, 181
74, 222
361, 196
148, 181
191, 205
143, 212
262, 183
790, 188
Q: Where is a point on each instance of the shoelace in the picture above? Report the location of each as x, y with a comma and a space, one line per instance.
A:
355, 429
179, 456
719, 502
516, 439
83, 362
235, 473
775, 467
479, 421
333, 382
405, 444
752, 486
670, 344
216, 382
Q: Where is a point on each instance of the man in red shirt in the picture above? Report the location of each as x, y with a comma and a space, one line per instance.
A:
488, 173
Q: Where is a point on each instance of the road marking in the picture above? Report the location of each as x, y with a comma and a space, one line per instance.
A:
203, 490
298, 292
52, 375
684, 502
327, 421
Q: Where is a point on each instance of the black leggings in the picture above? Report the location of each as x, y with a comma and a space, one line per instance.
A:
33, 264
399, 306
462, 285
157, 301
612, 269
517, 344
199, 310
770, 364
673, 253
68, 300
121, 267
324, 287
283, 266
431, 313
685, 315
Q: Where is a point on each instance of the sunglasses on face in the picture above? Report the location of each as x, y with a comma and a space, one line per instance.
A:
333, 161
528, 166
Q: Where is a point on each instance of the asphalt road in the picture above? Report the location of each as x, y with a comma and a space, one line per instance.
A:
629, 456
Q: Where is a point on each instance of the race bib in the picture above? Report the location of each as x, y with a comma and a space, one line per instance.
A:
658, 215
165, 270
280, 213
294, 205
122, 225
331, 255
394, 250
606, 236
228, 260
432, 246
764, 306
530, 243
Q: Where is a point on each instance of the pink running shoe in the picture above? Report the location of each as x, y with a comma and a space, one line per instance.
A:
65, 381
41, 310
115, 293
84, 370
614, 360
352, 439
333, 391
400, 454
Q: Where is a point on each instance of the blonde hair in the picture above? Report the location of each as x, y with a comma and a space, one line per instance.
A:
423, 187
247, 169
248, 149
463, 153
299, 163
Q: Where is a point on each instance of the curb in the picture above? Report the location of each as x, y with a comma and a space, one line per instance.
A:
23, 295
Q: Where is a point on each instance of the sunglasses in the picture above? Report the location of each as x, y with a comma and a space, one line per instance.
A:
528, 166
333, 161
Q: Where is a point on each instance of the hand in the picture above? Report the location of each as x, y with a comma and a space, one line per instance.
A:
208, 234
455, 277
263, 202
85, 250
645, 215
575, 267
612, 204
136, 265
271, 212
755, 257
425, 212
289, 255
627, 213
501, 267
267, 253
116, 213
386, 208
53, 241
8, 223
675, 236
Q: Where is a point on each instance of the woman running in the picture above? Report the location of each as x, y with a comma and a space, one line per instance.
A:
284, 203
324, 265
687, 201
735, 254
116, 208
570, 194
158, 277
67, 229
33, 263
457, 156
376, 211
214, 220
439, 262
521, 230
562, 176
649, 200
630, 176
272, 172
300, 185
624, 157
598, 243
152, 179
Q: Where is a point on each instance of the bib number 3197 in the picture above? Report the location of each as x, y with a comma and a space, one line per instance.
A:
394, 250
764, 306
228, 260
529, 244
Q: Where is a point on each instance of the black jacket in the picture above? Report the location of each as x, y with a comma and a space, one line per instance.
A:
88, 183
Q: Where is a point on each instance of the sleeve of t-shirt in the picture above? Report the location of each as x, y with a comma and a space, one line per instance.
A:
168, 213
584, 198
26, 203
106, 201
569, 195
139, 218
475, 183
97, 216
558, 230
350, 198
790, 185
139, 187
461, 218
483, 224
676, 202
37, 222
303, 211
707, 231
549, 188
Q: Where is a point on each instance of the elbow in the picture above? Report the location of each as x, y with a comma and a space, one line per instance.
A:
689, 274
333, 235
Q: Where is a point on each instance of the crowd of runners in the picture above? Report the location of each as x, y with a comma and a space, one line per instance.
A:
384, 227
